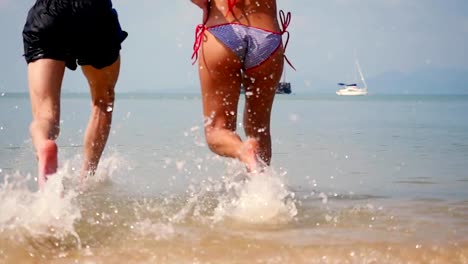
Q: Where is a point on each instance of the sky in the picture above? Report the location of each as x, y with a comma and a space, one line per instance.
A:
387, 36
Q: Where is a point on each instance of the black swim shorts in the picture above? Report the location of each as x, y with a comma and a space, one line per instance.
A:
84, 32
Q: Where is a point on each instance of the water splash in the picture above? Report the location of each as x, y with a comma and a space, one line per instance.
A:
46, 220
50, 212
258, 199
253, 199
108, 167
157, 231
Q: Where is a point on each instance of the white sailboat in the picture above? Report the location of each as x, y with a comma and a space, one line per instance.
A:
353, 88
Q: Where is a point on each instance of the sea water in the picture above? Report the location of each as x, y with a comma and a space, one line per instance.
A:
375, 179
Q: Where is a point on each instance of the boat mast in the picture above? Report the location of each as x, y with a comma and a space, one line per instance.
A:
284, 74
360, 73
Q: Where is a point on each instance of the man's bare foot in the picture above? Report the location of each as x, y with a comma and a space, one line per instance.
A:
47, 161
248, 155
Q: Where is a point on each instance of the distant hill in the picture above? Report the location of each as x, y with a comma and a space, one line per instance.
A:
428, 81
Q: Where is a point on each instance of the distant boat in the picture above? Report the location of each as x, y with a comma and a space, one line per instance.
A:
353, 88
283, 86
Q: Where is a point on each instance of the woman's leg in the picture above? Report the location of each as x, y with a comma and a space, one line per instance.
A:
261, 83
220, 78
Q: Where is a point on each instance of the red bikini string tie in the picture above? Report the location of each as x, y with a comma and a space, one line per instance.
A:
285, 20
199, 33
231, 5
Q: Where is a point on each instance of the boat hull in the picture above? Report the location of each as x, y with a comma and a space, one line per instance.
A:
351, 93
283, 88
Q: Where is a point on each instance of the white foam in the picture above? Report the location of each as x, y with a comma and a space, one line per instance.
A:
52, 211
255, 199
259, 198
108, 167
49, 212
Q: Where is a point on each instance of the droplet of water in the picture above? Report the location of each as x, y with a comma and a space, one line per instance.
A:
109, 109
294, 117
2, 94
324, 198
180, 165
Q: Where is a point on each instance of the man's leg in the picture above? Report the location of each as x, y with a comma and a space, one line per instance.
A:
101, 83
45, 80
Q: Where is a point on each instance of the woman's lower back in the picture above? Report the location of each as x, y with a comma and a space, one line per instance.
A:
255, 13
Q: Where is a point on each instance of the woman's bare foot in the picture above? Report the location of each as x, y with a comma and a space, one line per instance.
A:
47, 161
248, 155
